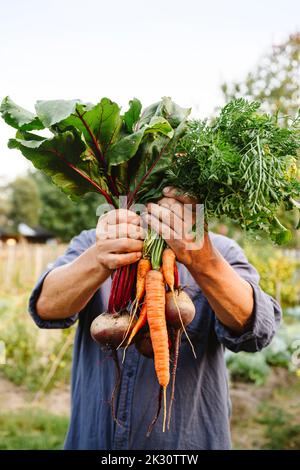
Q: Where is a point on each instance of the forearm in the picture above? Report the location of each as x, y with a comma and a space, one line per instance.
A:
67, 289
229, 295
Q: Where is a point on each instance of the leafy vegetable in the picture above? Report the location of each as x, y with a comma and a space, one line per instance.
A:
242, 165
92, 146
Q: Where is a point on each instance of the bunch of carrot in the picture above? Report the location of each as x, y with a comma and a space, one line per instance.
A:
152, 297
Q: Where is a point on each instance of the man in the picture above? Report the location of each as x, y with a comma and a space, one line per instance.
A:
231, 311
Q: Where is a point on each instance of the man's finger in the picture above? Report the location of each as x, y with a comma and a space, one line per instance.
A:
161, 228
124, 245
174, 205
168, 217
122, 230
170, 191
117, 260
118, 216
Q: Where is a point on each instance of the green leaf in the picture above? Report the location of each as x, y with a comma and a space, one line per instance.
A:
132, 115
18, 117
173, 113
54, 111
147, 114
282, 237
56, 155
160, 125
149, 151
124, 149
100, 124
167, 109
159, 150
295, 203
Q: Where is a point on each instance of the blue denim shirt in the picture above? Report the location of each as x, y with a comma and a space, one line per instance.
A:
201, 410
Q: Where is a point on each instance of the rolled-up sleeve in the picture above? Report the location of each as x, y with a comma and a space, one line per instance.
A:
266, 313
77, 246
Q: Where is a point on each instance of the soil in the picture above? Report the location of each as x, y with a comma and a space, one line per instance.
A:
13, 398
249, 403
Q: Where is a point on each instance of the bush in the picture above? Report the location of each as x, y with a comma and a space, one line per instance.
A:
32, 429
255, 368
248, 367
28, 360
281, 432
278, 273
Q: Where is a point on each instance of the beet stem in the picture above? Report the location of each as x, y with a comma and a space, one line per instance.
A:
116, 386
113, 290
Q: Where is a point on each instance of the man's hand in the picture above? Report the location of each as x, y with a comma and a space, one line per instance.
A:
119, 238
173, 217
230, 296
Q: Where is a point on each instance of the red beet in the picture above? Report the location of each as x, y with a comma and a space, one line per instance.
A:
185, 305
144, 345
109, 329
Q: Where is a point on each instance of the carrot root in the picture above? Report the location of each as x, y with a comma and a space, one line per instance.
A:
174, 368
165, 409
151, 426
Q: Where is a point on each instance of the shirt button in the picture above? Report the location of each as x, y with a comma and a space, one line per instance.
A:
130, 374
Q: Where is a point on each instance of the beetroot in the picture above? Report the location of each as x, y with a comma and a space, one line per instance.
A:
185, 305
144, 345
109, 329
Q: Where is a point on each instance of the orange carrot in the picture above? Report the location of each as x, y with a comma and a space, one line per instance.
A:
139, 324
155, 294
144, 265
168, 267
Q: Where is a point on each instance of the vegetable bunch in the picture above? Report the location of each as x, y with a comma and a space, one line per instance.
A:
242, 165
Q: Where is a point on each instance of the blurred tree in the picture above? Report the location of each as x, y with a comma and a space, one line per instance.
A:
4, 208
275, 81
59, 214
24, 202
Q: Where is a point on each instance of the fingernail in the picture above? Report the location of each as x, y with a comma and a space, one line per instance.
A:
166, 189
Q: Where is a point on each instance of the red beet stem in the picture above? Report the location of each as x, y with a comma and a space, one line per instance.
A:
113, 290
176, 276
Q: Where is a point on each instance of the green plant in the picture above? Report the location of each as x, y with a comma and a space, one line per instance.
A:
248, 367
278, 273
32, 429
280, 432
28, 362
242, 166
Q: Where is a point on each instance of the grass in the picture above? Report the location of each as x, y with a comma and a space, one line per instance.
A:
268, 417
281, 431
32, 430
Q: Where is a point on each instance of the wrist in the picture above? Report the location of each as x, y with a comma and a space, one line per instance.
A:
98, 269
205, 260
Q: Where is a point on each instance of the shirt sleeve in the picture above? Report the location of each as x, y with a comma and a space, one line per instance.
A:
266, 314
77, 246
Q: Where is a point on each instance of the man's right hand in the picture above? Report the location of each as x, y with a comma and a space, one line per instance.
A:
119, 238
